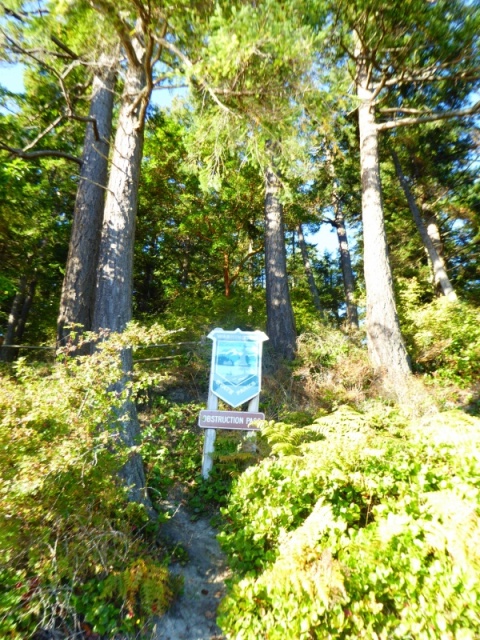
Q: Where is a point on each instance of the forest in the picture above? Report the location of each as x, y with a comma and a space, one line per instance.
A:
305, 168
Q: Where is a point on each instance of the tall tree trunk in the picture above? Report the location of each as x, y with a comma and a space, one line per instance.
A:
384, 339
308, 271
226, 275
433, 229
113, 300
78, 291
26, 306
7, 353
345, 259
280, 320
347, 271
441, 279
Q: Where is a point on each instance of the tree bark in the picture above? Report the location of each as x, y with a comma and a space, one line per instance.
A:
113, 299
26, 306
78, 291
280, 319
433, 230
441, 279
226, 275
308, 271
347, 271
345, 259
7, 353
384, 339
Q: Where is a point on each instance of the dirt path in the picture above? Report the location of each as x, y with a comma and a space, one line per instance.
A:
192, 617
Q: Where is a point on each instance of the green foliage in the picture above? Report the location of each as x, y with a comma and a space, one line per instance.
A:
371, 532
333, 367
72, 547
171, 446
231, 458
445, 340
131, 595
286, 439
197, 254
260, 57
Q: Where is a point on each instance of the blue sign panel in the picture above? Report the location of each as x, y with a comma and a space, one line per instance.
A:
236, 365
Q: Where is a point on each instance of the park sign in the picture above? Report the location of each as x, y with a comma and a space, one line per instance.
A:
236, 369
243, 420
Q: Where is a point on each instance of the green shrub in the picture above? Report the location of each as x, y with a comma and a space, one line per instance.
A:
332, 368
71, 546
370, 533
444, 340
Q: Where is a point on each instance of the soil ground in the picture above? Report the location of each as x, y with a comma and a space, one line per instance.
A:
202, 564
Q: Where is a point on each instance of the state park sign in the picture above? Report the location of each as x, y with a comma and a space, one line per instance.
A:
236, 369
235, 378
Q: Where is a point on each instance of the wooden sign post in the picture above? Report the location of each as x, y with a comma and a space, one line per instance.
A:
235, 378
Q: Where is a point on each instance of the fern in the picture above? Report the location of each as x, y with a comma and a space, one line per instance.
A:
286, 439
144, 588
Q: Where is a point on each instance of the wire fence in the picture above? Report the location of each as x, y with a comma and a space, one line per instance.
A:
176, 345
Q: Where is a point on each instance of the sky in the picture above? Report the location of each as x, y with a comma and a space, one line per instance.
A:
11, 77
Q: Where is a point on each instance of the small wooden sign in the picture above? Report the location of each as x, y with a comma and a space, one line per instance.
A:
242, 420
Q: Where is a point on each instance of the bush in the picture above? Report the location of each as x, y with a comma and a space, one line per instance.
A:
74, 553
444, 340
333, 368
372, 532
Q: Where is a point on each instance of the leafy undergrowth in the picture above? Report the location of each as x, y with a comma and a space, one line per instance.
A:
76, 557
343, 523
444, 340
362, 525
172, 445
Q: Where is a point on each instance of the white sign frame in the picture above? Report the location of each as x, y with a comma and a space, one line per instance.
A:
236, 366
212, 404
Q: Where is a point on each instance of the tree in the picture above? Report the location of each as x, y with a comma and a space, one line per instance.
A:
441, 278
147, 35
260, 78
308, 270
385, 343
338, 223
35, 200
438, 166
402, 56
333, 196
78, 291
280, 320
37, 40
194, 246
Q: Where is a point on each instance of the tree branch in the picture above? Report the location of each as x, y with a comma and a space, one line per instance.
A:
429, 117
431, 74
45, 132
189, 64
64, 47
402, 110
87, 119
122, 28
334, 223
43, 153
242, 262
12, 13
